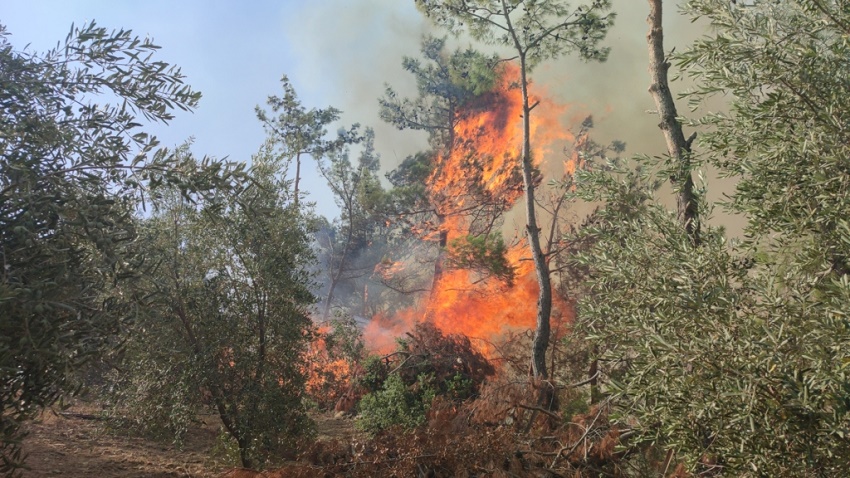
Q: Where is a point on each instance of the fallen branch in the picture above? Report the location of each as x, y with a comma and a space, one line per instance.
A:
541, 410
81, 416
583, 382
578, 442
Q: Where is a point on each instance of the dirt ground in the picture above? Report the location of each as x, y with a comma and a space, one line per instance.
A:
74, 445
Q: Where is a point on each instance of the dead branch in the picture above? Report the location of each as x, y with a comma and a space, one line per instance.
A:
583, 382
541, 410
578, 442
80, 416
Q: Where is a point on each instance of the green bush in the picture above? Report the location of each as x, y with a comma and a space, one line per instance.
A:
375, 373
733, 355
458, 388
401, 386
396, 404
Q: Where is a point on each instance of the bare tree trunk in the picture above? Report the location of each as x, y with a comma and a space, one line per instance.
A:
544, 299
439, 264
327, 310
678, 147
336, 276
297, 177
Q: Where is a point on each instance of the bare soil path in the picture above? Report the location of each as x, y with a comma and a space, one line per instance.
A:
74, 445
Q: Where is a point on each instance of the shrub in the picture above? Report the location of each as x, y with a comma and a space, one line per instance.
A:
396, 404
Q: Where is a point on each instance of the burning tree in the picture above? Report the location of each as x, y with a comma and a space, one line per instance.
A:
456, 194
535, 31
446, 82
455, 199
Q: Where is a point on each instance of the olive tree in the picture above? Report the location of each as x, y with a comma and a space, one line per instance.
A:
74, 161
733, 356
226, 323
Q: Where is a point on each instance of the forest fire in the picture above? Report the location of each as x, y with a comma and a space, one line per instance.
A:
480, 177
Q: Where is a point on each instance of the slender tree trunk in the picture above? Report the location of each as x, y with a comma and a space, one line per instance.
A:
338, 274
678, 147
439, 264
366, 300
544, 299
297, 177
261, 335
593, 375
328, 299
229, 423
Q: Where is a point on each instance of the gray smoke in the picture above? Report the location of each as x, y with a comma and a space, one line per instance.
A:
362, 44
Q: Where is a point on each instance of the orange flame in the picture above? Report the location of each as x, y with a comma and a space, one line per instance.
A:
327, 377
485, 158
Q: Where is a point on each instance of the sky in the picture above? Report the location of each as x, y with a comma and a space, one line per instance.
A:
337, 53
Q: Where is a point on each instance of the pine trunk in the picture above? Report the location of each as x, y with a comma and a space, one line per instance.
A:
544, 299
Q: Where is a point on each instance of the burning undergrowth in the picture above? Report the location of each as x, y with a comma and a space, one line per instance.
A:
333, 364
493, 427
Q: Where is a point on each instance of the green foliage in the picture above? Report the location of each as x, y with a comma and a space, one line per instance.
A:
785, 136
710, 359
412, 172
295, 129
226, 323
446, 82
135, 405
349, 246
538, 30
374, 373
426, 364
459, 388
483, 254
450, 360
74, 163
225, 451
396, 404
345, 339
